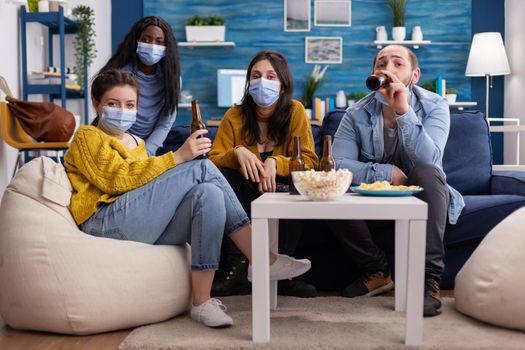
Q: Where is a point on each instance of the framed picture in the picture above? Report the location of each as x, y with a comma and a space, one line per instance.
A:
297, 15
321, 49
333, 13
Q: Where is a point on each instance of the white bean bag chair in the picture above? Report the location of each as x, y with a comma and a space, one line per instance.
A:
490, 285
55, 278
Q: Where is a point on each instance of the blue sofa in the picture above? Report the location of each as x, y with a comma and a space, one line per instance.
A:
489, 197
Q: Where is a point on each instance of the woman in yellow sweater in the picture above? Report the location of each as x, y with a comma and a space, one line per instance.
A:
252, 148
120, 193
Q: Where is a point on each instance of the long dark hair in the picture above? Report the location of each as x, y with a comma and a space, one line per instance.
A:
279, 122
107, 80
170, 65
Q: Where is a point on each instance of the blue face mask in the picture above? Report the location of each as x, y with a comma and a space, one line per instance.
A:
116, 120
264, 92
382, 99
150, 54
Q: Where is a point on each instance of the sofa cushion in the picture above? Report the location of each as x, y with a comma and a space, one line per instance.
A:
480, 215
467, 159
508, 182
55, 278
331, 121
490, 285
318, 139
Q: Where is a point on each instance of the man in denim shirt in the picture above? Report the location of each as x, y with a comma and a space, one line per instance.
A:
397, 134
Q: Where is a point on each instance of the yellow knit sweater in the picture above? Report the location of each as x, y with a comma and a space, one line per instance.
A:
229, 137
101, 169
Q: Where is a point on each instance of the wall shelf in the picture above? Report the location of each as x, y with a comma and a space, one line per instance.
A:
184, 105
206, 43
59, 25
415, 44
461, 105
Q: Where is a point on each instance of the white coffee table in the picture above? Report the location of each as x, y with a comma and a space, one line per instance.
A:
410, 215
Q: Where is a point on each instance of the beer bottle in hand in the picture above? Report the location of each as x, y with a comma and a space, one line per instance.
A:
296, 163
327, 162
196, 122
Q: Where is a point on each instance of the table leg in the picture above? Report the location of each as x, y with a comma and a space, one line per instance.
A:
415, 282
401, 256
260, 282
273, 227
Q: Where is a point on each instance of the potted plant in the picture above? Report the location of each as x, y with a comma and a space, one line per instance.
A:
353, 97
312, 84
451, 95
210, 28
429, 85
398, 14
32, 5
84, 42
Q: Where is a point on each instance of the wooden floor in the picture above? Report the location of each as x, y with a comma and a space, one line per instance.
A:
11, 339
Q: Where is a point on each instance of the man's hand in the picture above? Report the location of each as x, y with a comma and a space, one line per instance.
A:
193, 146
251, 166
267, 183
398, 176
394, 92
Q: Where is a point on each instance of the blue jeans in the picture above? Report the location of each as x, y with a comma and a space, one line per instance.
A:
191, 202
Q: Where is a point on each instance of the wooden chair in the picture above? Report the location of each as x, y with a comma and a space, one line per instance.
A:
15, 136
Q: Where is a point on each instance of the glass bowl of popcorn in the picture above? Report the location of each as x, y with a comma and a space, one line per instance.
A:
322, 185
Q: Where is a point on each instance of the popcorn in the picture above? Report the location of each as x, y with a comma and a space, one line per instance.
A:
322, 185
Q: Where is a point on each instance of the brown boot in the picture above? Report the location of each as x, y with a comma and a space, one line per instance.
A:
432, 299
369, 285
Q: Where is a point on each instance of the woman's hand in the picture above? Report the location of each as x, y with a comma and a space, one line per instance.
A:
250, 165
194, 146
267, 183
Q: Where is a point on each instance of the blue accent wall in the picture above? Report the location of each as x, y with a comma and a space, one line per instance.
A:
124, 13
489, 16
254, 25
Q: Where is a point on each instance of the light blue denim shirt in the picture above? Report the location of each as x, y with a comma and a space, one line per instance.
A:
423, 132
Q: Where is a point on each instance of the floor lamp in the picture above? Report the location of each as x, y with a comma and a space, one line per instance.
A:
487, 58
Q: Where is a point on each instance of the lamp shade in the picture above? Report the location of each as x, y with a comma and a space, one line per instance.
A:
487, 56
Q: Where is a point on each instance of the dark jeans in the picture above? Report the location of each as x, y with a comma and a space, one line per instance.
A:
356, 235
247, 191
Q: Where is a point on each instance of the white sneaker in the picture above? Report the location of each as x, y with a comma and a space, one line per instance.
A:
285, 267
211, 313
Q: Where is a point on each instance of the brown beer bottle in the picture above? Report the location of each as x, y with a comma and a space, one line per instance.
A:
375, 82
296, 163
327, 162
196, 122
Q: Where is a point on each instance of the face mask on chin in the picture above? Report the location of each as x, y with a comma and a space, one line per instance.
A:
264, 92
117, 120
382, 99
150, 54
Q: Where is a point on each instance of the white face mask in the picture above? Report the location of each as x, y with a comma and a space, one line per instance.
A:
150, 54
264, 92
117, 120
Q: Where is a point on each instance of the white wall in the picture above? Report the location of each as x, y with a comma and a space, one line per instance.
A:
10, 62
515, 82
9, 70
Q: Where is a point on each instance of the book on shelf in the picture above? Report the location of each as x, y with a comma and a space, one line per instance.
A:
441, 86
